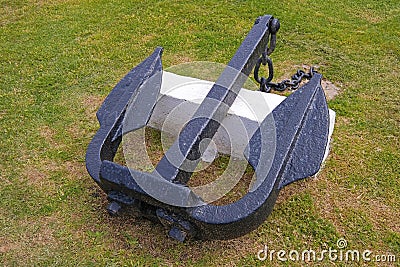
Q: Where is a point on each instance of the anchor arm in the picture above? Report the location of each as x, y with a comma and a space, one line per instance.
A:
303, 132
105, 143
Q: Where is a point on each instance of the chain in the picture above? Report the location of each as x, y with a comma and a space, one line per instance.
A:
265, 83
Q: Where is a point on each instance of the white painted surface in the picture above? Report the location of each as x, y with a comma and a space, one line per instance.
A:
181, 95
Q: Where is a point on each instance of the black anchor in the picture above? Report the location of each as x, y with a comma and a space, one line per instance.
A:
300, 126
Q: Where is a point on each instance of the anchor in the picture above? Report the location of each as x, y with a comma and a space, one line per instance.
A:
287, 144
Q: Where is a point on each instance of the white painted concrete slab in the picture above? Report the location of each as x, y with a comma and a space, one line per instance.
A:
181, 95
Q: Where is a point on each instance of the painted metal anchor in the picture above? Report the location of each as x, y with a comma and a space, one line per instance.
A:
300, 126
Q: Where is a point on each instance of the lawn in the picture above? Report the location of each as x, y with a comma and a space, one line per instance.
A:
58, 61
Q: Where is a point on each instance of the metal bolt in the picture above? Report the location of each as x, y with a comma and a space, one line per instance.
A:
177, 234
113, 208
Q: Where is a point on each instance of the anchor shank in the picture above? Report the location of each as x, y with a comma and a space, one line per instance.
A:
180, 161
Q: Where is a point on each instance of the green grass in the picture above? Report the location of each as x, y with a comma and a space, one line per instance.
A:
60, 59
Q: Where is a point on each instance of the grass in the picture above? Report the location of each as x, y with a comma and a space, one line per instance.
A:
60, 59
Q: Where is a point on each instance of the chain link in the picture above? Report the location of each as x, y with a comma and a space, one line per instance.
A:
265, 83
